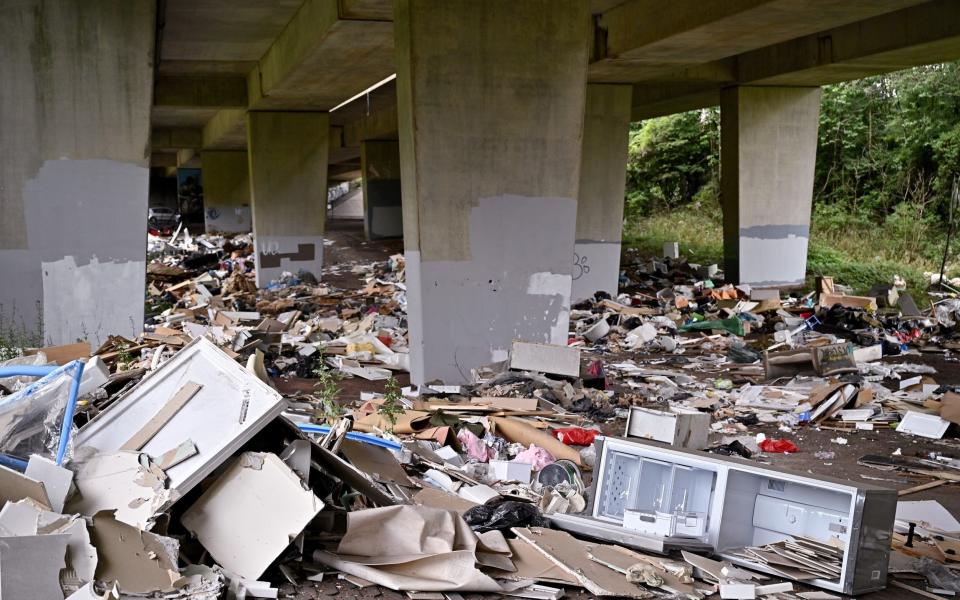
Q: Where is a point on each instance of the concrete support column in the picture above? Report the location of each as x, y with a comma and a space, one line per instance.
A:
382, 209
288, 189
490, 114
226, 191
768, 151
603, 179
74, 168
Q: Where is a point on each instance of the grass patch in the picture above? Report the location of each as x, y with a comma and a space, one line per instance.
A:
856, 253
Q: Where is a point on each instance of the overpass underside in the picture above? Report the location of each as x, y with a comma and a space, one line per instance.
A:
495, 142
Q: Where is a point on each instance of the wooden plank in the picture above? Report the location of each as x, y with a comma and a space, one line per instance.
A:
154, 425
922, 486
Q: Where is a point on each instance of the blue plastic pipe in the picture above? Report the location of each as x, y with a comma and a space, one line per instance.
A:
46, 372
352, 435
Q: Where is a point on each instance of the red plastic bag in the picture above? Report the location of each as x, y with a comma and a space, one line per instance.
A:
778, 446
575, 436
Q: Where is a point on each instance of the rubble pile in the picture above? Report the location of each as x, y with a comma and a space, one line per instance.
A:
252, 442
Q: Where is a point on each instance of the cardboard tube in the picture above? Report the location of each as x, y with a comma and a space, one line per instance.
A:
515, 430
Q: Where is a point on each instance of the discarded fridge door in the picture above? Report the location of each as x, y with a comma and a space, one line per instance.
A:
656, 498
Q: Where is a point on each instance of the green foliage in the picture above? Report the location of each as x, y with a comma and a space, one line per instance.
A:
391, 407
671, 159
888, 151
326, 390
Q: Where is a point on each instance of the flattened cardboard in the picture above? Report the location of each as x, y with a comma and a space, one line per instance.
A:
950, 407
864, 302
138, 561
530, 563
506, 403
378, 462
251, 512
61, 355
14, 486
572, 556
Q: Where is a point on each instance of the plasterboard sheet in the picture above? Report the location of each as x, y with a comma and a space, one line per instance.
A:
56, 479
250, 514
231, 406
30, 566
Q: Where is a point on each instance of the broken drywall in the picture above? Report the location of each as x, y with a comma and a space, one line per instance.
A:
514, 286
250, 514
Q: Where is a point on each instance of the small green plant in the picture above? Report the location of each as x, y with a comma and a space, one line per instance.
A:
327, 389
124, 358
391, 408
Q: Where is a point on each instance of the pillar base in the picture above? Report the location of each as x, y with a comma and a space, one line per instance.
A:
596, 267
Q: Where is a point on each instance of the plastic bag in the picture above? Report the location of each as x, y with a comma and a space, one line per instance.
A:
775, 446
31, 419
575, 436
505, 515
938, 576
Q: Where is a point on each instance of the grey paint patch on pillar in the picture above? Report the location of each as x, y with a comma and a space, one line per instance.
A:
274, 254
515, 286
603, 176
93, 263
596, 267
75, 120
288, 190
768, 153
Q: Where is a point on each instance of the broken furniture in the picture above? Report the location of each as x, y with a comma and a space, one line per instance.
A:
676, 426
202, 395
656, 498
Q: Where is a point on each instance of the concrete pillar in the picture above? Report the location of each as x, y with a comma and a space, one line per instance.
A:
226, 191
74, 168
768, 151
288, 190
382, 209
490, 100
603, 179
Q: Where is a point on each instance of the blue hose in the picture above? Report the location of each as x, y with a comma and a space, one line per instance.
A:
352, 435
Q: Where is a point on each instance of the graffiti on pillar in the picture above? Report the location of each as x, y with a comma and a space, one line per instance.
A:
580, 267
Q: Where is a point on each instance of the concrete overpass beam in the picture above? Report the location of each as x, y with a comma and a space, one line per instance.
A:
288, 190
490, 113
603, 168
382, 209
226, 191
768, 151
205, 91
74, 168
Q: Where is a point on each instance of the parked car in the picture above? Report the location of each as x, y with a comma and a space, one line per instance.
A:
162, 217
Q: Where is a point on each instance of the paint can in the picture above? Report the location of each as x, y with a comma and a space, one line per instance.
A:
597, 331
561, 471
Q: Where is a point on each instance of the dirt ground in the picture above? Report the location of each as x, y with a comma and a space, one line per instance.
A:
349, 247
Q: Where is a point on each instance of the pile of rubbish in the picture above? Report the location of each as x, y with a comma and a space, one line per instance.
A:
217, 455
